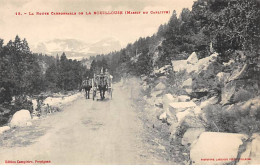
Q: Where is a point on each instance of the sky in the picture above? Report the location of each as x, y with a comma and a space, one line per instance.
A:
86, 28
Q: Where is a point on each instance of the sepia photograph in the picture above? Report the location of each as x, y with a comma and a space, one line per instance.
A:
129, 82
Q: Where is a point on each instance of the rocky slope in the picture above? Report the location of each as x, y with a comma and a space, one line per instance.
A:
212, 109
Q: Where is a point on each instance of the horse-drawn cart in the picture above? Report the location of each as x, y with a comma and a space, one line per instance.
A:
100, 84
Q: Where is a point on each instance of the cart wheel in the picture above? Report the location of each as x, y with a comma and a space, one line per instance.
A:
94, 94
111, 93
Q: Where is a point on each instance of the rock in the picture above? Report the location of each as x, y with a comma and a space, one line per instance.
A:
145, 97
205, 62
29, 123
193, 59
176, 107
181, 115
144, 78
187, 83
20, 118
191, 135
183, 98
150, 101
163, 116
223, 78
189, 91
35, 118
160, 86
4, 129
192, 121
192, 68
211, 101
197, 110
161, 147
228, 92
173, 129
157, 93
145, 86
163, 70
216, 145
162, 79
168, 98
186, 119
229, 63
158, 102
239, 73
252, 151
179, 112
179, 65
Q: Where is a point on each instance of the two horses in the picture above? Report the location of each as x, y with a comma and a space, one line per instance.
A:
101, 83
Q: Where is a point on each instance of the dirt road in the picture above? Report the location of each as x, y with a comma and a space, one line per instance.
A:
86, 132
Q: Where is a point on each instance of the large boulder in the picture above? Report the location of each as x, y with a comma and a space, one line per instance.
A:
252, 153
3, 129
20, 118
193, 59
205, 62
191, 135
196, 66
216, 148
179, 65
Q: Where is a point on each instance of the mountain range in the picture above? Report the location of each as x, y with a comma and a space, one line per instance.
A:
76, 49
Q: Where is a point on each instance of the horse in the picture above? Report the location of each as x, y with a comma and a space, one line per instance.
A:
102, 86
87, 85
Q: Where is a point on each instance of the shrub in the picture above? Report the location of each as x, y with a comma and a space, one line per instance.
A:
234, 120
242, 95
175, 80
21, 102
